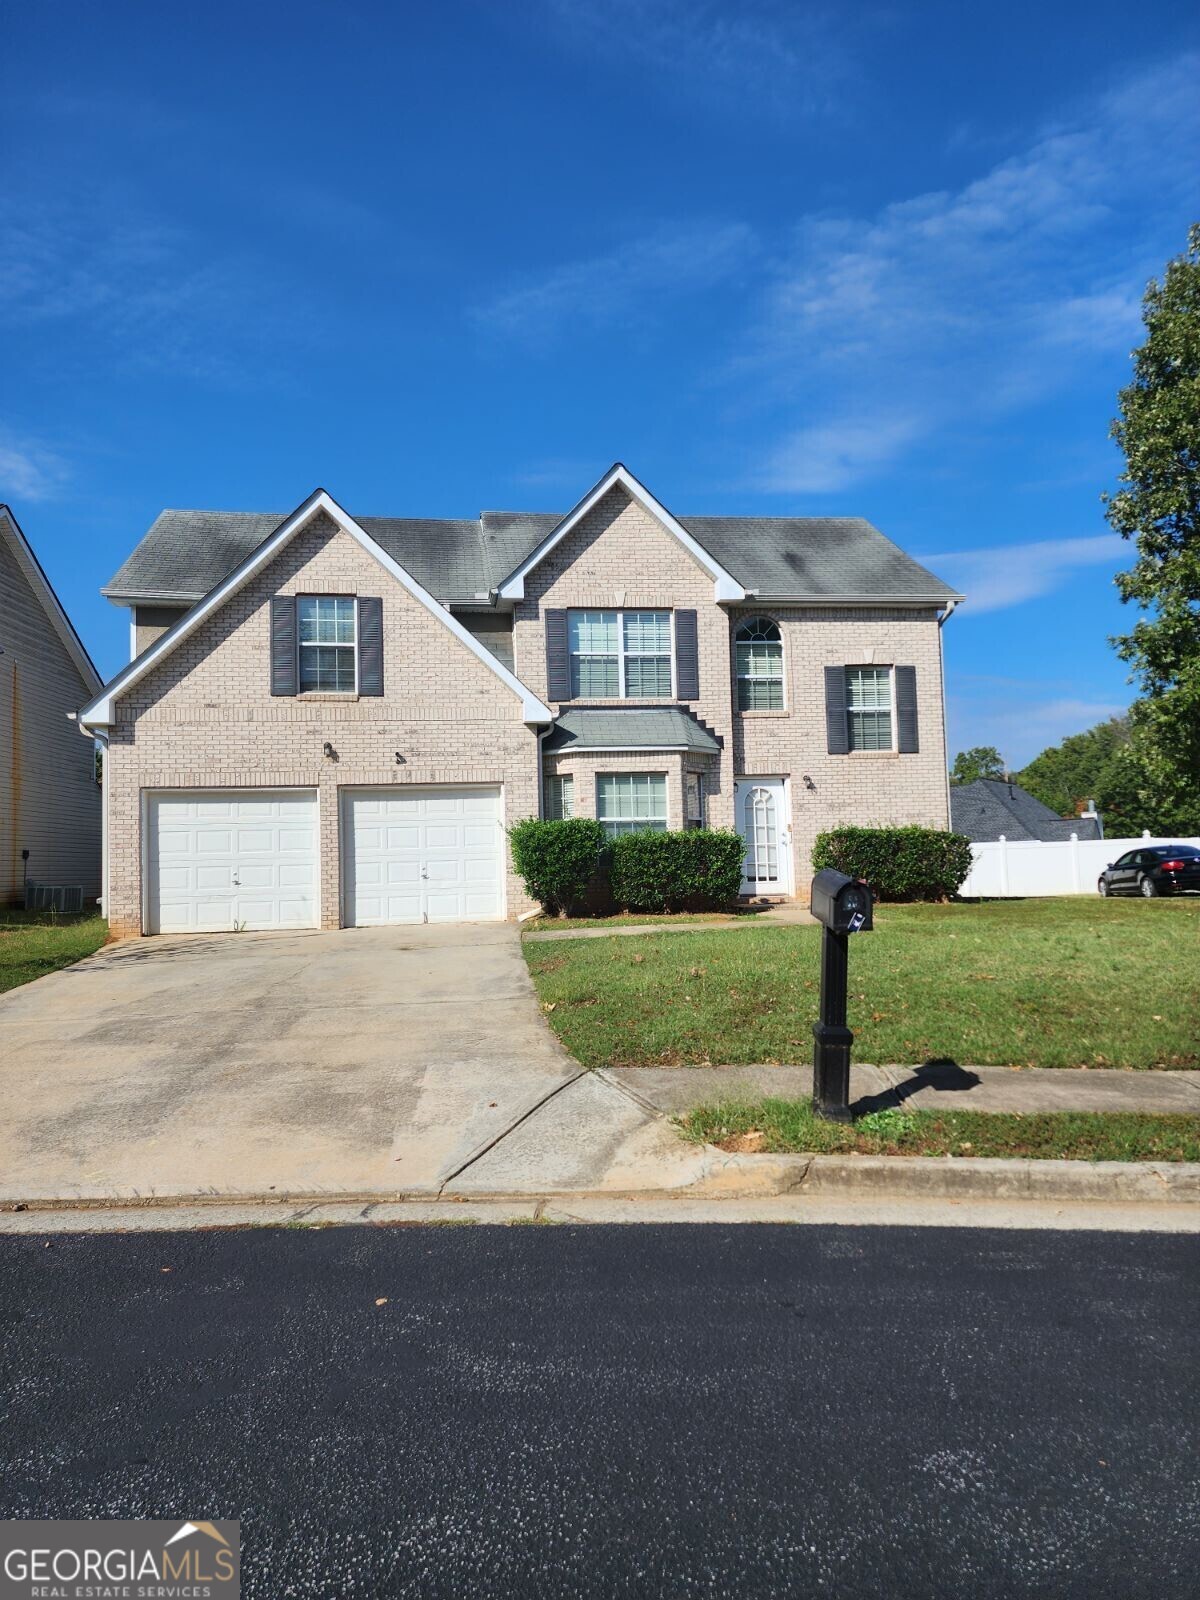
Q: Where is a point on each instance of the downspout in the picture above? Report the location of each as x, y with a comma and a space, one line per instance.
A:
951, 608
102, 740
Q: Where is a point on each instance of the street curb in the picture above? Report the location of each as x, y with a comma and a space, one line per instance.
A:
722, 1175
950, 1177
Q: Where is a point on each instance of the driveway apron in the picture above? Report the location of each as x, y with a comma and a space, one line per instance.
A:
367, 1060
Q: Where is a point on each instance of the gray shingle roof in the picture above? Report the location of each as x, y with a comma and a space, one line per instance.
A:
989, 807
640, 728
187, 553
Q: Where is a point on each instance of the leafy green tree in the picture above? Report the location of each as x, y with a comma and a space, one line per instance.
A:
983, 761
1158, 510
1077, 769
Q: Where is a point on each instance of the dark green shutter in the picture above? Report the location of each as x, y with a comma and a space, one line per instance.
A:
283, 644
837, 736
558, 661
687, 656
370, 645
906, 711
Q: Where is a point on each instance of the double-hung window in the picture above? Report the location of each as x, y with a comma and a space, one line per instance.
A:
632, 802
758, 651
620, 655
869, 708
560, 797
328, 643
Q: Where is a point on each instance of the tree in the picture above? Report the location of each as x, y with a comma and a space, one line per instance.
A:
1080, 768
983, 761
1158, 509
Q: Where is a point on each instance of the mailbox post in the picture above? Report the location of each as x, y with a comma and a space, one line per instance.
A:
842, 906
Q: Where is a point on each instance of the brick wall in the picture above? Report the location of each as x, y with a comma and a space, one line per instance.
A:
205, 717
619, 556
863, 787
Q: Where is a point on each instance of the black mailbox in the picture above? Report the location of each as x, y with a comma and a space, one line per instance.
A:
842, 904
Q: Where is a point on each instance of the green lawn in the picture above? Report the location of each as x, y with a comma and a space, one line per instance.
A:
33, 943
789, 1125
1042, 983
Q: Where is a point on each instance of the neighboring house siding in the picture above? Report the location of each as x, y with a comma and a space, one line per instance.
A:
49, 799
205, 717
619, 557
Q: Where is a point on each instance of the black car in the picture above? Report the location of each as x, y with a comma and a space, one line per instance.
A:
1154, 869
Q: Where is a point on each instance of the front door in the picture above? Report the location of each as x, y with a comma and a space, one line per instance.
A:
762, 821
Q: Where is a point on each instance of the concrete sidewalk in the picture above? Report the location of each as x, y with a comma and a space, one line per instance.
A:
939, 1086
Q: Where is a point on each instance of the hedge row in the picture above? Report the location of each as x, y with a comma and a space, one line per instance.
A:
899, 863
564, 863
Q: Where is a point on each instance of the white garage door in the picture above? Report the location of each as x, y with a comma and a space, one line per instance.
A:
423, 855
226, 858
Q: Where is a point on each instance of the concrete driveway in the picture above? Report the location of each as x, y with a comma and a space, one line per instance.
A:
366, 1061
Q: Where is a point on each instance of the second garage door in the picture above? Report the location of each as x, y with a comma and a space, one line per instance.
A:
422, 855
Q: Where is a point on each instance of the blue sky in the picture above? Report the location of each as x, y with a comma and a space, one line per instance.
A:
881, 259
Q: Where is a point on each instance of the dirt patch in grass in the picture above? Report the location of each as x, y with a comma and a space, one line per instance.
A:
788, 1126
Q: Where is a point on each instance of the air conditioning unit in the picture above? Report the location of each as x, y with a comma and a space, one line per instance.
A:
63, 897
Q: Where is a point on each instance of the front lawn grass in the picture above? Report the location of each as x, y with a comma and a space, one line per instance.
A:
1076, 982
782, 1126
33, 943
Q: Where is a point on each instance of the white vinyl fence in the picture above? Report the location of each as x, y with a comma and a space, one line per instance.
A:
1032, 867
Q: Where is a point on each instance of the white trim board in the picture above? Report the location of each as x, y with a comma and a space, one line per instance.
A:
726, 587
31, 567
99, 713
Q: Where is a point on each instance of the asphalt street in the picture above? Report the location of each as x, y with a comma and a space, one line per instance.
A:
622, 1411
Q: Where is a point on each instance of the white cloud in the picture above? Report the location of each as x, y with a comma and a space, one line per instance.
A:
883, 331
829, 456
160, 298
600, 289
1020, 725
772, 58
1007, 575
28, 469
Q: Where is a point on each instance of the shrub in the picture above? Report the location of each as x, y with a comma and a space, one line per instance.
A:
698, 870
556, 860
899, 863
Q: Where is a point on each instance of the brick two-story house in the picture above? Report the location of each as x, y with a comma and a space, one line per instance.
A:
330, 721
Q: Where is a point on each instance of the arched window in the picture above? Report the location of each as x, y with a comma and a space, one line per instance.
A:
758, 652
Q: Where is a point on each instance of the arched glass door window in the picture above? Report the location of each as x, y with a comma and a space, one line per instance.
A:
758, 652
761, 833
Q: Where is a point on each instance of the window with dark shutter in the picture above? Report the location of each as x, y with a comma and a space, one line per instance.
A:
687, 656
558, 660
370, 645
283, 644
907, 742
836, 733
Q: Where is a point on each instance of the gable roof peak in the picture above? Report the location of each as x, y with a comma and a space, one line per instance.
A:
99, 713
725, 585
